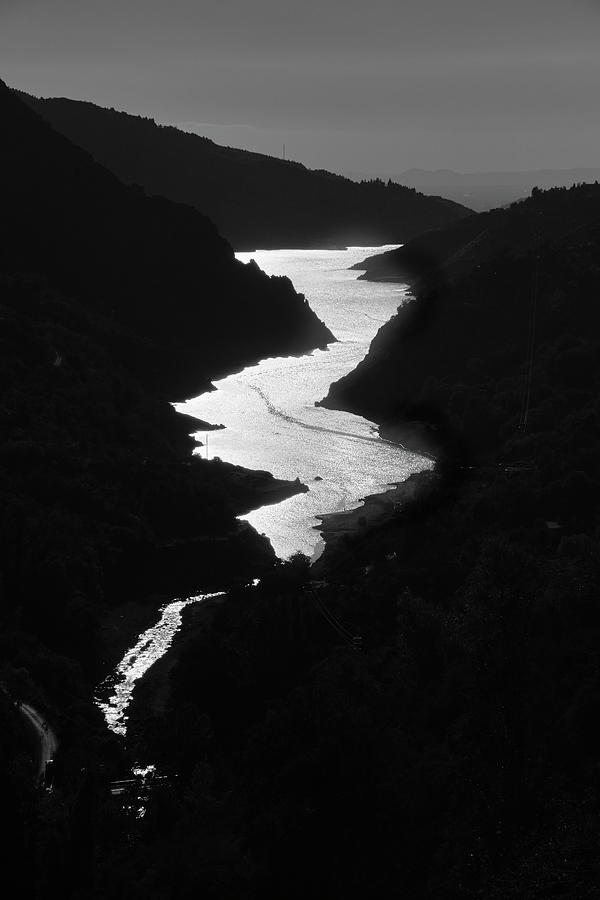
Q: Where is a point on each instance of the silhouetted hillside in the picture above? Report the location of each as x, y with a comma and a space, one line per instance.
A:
109, 303
156, 266
255, 200
446, 252
455, 754
494, 575
505, 314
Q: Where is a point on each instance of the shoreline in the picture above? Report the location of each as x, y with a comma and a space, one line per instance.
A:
122, 623
414, 436
152, 691
262, 489
339, 529
336, 531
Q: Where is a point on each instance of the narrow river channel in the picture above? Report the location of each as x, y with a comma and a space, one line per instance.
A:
272, 423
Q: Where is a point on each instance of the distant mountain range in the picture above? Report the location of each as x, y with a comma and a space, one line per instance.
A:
485, 190
255, 201
542, 178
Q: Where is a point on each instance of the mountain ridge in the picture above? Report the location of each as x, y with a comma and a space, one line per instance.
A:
154, 266
255, 200
482, 191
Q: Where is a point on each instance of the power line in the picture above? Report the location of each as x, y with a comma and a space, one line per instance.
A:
526, 398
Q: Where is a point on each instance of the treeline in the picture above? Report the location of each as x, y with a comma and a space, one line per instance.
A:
443, 254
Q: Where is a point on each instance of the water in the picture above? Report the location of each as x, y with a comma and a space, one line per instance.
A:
269, 413
273, 424
114, 694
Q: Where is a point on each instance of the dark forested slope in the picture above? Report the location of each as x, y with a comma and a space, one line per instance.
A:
496, 572
110, 303
155, 266
255, 200
508, 322
446, 252
456, 754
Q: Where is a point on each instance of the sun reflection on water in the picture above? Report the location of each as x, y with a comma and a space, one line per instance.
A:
114, 693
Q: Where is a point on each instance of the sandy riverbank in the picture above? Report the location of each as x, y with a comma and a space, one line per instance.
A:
337, 529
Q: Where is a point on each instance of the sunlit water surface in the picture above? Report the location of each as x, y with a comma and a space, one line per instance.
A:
272, 423
269, 409
114, 694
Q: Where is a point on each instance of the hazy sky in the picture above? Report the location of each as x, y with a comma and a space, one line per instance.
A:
378, 86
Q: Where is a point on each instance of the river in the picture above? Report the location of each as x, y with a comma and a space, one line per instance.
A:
272, 423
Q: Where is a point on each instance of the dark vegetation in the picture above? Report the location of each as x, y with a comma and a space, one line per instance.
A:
111, 304
456, 754
506, 309
155, 267
255, 200
445, 253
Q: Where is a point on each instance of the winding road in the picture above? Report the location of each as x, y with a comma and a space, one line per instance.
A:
47, 740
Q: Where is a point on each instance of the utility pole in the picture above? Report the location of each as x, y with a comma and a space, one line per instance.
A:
284, 151
206, 442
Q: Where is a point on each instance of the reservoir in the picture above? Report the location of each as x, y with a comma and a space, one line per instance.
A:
272, 423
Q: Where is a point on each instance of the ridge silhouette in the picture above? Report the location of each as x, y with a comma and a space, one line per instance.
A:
255, 200
156, 266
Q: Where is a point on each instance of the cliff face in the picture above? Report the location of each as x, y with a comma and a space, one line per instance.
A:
497, 324
155, 266
255, 200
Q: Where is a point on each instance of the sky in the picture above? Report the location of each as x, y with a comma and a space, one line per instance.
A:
375, 87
